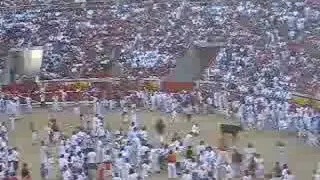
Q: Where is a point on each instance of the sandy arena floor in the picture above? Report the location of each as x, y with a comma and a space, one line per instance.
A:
302, 158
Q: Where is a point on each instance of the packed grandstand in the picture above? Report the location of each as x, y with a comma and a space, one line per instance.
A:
270, 61
265, 43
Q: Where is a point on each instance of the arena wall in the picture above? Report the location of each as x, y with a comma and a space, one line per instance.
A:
174, 86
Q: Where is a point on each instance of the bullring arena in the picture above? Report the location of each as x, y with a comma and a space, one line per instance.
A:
195, 64
301, 157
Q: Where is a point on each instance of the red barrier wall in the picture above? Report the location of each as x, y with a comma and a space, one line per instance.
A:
173, 86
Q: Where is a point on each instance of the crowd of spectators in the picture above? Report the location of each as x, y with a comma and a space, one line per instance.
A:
268, 49
271, 45
267, 41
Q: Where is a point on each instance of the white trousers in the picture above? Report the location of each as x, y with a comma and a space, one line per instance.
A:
29, 108
12, 121
153, 106
155, 166
124, 174
34, 137
161, 138
197, 108
172, 171
196, 132
56, 136
92, 174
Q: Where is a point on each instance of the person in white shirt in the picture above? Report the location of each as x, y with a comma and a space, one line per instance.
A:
81, 176
125, 116
133, 114
260, 121
260, 166
210, 104
200, 147
66, 173
133, 175
154, 157
11, 169
251, 117
17, 107
44, 155
2, 104
63, 97
216, 99
55, 103
125, 170
284, 170
107, 156
100, 132
4, 130
95, 122
15, 158
11, 108
145, 170
35, 137
112, 104
96, 105
51, 167
42, 98
92, 166
289, 176
153, 102
229, 172
186, 175
203, 157
188, 111
29, 104
249, 153
187, 141
195, 129
12, 120
246, 176
99, 152
76, 110
173, 116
